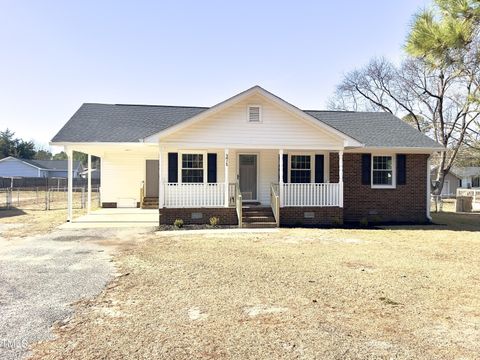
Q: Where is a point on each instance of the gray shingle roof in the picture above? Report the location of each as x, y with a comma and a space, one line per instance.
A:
378, 129
130, 123
58, 165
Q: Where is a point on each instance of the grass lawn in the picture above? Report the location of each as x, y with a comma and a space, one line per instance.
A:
398, 292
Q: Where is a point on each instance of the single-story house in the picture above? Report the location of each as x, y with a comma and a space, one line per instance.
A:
14, 167
470, 176
451, 183
256, 158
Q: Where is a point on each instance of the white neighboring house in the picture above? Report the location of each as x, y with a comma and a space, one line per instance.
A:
470, 176
451, 183
14, 167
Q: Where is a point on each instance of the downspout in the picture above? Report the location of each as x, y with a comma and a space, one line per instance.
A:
429, 197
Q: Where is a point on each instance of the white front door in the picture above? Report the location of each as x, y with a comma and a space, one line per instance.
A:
247, 176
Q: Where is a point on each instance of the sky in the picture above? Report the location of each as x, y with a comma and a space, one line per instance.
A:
56, 55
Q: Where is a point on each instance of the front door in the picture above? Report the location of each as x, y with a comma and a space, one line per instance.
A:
151, 178
247, 176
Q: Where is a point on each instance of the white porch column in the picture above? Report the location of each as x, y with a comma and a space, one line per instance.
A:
69, 184
89, 183
340, 177
226, 179
280, 176
161, 195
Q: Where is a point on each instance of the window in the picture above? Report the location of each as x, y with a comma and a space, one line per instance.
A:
300, 169
254, 113
476, 181
382, 171
192, 168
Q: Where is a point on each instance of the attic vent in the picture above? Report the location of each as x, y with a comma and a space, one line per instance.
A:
254, 113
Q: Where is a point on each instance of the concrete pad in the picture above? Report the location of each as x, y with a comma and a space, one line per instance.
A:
115, 218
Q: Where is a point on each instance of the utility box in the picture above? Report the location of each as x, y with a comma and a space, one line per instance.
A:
463, 204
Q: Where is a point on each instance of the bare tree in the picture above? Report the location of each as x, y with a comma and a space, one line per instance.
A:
440, 102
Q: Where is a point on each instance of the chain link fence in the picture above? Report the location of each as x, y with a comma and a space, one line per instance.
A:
45, 193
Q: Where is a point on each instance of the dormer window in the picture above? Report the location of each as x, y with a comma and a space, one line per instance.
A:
254, 113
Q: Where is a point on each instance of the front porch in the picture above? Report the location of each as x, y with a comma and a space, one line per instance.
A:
295, 186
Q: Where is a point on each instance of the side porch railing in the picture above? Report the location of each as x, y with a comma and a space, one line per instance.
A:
239, 204
311, 194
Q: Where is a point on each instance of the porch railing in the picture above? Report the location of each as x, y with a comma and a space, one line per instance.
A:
194, 195
239, 204
275, 202
323, 195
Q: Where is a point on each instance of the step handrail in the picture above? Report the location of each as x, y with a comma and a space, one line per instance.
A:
239, 204
275, 202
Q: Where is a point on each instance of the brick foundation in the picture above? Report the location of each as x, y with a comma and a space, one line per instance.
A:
405, 203
227, 216
310, 216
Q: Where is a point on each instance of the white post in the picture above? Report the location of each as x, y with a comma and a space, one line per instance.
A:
280, 176
226, 179
70, 184
89, 183
340, 178
429, 217
160, 182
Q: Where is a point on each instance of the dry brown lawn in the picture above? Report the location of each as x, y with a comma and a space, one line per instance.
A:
398, 292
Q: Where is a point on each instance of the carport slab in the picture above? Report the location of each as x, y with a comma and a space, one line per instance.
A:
115, 218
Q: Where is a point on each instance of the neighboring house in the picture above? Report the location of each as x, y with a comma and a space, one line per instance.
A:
451, 183
14, 167
307, 166
470, 176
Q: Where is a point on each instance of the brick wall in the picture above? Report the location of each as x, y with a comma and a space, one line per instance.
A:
227, 216
295, 216
406, 203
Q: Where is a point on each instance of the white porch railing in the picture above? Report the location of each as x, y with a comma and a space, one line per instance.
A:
194, 195
322, 195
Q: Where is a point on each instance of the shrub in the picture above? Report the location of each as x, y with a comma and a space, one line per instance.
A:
178, 223
214, 221
364, 221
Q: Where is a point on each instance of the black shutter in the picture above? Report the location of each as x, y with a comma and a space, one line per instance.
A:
172, 167
319, 176
212, 168
401, 169
366, 169
285, 168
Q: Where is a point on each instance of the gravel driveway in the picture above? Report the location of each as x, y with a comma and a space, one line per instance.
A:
41, 276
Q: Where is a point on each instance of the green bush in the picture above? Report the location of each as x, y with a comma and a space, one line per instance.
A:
214, 221
364, 221
178, 223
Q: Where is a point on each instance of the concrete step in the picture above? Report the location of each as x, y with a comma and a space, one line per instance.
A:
250, 219
259, 225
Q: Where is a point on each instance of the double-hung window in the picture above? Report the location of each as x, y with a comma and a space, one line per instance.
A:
300, 169
382, 171
192, 168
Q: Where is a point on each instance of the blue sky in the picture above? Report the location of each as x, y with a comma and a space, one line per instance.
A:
55, 55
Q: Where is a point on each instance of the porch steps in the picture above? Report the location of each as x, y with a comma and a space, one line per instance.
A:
150, 203
258, 217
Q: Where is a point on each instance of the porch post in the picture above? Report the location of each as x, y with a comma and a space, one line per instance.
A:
89, 183
69, 184
280, 176
160, 181
226, 179
340, 178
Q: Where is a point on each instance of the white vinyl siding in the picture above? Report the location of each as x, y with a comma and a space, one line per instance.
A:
278, 129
